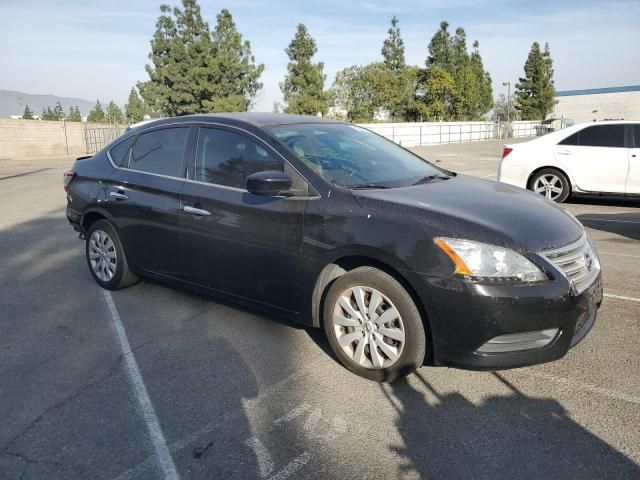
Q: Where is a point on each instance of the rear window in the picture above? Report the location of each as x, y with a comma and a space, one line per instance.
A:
597, 136
636, 135
120, 153
160, 151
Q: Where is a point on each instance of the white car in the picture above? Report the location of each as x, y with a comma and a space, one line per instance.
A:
602, 157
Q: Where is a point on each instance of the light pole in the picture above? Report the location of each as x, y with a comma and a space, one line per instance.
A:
508, 85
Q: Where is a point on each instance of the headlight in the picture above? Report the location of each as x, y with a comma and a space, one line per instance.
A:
488, 262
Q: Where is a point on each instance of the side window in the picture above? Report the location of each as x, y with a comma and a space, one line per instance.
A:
228, 158
571, 140
636, 134
160, 151
602, 136
120, 153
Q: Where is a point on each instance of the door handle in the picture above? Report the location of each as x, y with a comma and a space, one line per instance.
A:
118, 196
564, 152
196, 211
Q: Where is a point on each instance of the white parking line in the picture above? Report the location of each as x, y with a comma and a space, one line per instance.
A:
142, 396
610, 221
621, 297
618, 254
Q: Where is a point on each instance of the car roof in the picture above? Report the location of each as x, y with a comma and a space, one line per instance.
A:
256, 119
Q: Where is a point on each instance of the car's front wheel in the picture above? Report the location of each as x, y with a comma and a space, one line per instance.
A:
550, 183
105, 257
373, 325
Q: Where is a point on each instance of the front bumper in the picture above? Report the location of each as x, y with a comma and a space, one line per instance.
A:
465, 316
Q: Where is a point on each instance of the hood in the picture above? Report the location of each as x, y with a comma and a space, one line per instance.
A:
482, 210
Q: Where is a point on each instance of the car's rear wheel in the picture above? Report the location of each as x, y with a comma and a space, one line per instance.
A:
105, 257
373, 325
550, 183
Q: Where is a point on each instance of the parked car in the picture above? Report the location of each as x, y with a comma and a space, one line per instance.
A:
601, 157
333, 226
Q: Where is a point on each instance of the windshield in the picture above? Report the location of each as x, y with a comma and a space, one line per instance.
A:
354, 157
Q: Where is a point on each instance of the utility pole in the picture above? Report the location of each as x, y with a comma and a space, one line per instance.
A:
508, 85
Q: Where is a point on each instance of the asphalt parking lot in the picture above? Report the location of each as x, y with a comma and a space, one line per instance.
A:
154, 382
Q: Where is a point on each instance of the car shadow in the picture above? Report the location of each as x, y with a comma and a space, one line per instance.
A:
603, 200
503, 436
624, 224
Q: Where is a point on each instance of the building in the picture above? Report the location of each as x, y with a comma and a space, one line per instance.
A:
613, 103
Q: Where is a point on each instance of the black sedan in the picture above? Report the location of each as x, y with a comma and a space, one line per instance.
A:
331, 225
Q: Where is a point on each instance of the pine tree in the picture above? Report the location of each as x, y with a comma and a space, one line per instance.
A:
436, 94
535, 92
303, 87
483, 80
58, 113
235, 76
28, 114
47, 114
196, 71
97, 114
74, 114
440, 48
114, 114
393, 48
135, 109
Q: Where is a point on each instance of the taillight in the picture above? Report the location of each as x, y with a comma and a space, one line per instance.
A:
66, 179
506, 151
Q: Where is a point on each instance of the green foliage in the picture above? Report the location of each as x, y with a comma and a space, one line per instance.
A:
393, 48
97, 115
536, 91
28, 114
47, 114
58, 113
74, 114
502, 106
135, 109
303, 87
436, 93
363, 91
472, 94
195, 70
114, 114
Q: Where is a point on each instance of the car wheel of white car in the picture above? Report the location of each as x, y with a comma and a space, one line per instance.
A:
551, 184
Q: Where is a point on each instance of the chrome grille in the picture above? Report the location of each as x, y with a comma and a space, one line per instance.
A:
578, 262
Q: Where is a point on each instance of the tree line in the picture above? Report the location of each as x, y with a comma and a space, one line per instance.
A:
195, 69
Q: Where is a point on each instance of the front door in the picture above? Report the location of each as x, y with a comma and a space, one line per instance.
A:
596, 157
234, 241
143, 197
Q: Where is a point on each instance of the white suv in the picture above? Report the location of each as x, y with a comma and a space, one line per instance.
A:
602, 157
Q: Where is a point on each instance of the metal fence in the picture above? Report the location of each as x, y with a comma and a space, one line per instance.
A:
96, 137
436, 133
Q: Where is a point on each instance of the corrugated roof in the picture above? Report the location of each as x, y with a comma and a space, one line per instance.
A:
593, 91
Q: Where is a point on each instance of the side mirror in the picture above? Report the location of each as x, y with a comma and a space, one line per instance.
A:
269, 183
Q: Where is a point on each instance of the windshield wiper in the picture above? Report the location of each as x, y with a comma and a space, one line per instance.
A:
431, 178
367, 186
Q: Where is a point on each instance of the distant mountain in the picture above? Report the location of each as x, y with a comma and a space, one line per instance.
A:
13, 103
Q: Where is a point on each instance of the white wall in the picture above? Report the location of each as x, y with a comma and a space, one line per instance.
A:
608, 106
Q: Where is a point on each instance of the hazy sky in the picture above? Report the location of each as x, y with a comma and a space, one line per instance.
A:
97, 49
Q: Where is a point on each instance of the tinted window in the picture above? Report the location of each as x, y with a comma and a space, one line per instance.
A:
160, 151
636, 135
572, 140
600, 136
120, 153
228, 158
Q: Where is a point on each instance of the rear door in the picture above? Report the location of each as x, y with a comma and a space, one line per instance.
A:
596, 157
633, 179
234, 241
144, 198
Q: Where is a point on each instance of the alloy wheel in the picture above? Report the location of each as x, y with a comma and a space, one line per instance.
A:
368, 327
548, 185
102, 255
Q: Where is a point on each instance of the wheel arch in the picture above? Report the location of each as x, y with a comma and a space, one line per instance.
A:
343, 264
562, 170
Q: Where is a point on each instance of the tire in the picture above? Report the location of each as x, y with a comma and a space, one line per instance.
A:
408, 344
103, 244
554, 178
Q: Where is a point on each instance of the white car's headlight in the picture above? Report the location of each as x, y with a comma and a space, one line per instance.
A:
488, 262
